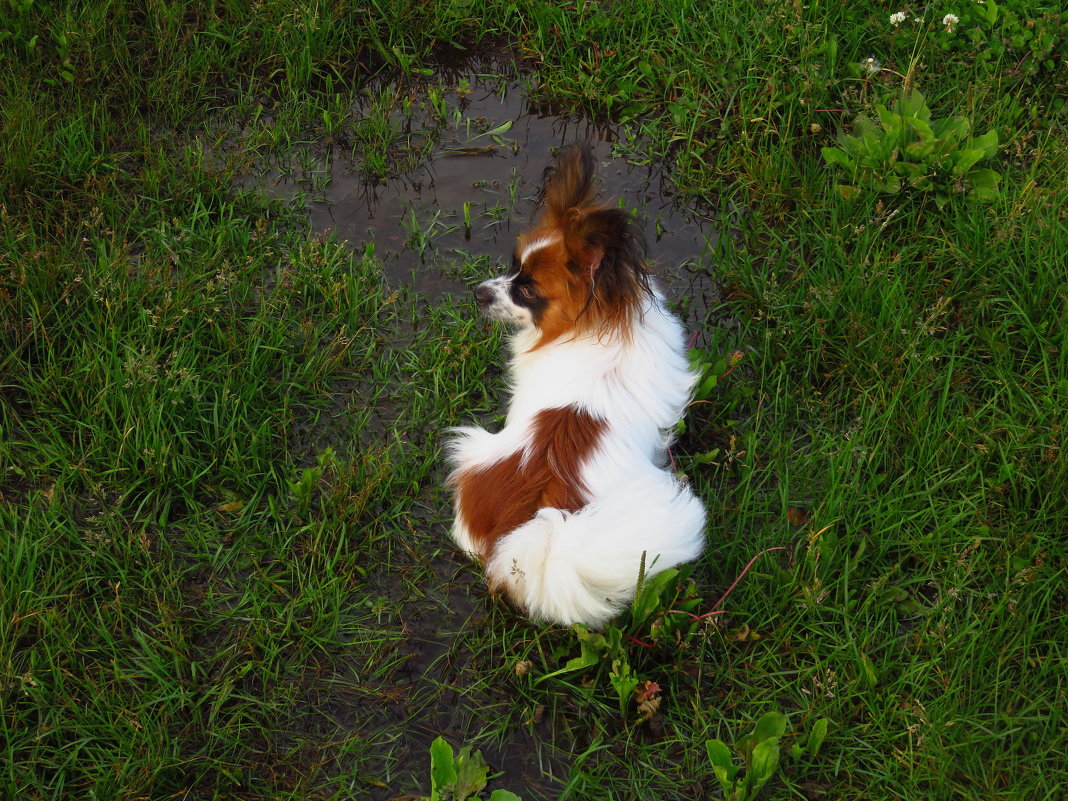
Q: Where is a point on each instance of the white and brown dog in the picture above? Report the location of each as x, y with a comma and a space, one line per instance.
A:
561, 504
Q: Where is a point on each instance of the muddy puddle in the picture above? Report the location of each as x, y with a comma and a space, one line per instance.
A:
438, 179
456, 172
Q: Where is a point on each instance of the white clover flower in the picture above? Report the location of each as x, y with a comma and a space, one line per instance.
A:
871, 65
950, 20
898, 18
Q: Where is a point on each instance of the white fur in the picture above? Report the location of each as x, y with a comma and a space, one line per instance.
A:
501, 307
537, 244
583, 567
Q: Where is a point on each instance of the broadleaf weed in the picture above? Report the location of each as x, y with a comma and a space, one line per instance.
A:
908, 149
458, 776
760, 753
663, 612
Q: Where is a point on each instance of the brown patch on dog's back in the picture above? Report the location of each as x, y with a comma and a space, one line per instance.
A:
494, 500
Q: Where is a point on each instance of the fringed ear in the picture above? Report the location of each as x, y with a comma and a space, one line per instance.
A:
592, 260
584, 251
569, 183
603, 244
604, 274
603, 238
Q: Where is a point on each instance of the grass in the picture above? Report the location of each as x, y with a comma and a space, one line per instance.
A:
225, 571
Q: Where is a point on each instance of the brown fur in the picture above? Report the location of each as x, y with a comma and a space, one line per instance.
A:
594, 278
564, 289
494, 500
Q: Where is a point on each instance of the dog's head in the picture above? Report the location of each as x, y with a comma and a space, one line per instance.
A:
581, 268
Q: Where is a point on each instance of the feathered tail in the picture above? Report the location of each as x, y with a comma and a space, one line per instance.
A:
583, 567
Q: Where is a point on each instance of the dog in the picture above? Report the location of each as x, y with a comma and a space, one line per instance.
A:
563, 504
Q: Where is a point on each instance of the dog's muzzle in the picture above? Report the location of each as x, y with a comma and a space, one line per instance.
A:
494, 301
483, 296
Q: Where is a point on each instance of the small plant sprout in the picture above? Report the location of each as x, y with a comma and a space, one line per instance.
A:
303, 488
666, 611
815, 740
760, 758
663, 611
457, 777
759, 753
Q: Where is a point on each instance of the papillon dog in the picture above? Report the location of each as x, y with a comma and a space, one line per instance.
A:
563, 503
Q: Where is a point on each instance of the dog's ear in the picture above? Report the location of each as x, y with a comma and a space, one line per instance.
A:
603, 245
569, 183
603, 241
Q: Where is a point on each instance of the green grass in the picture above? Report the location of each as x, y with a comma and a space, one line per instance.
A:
180, 619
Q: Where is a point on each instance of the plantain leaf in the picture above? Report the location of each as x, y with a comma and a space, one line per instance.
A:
442, 769
765, 761
772, 724
817, 736
834, 155
722, 765
964, 160
984, 183
988, 142
471, 773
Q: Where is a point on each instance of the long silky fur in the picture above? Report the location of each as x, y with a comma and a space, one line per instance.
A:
594, 497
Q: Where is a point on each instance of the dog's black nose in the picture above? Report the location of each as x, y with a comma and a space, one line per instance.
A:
483, 295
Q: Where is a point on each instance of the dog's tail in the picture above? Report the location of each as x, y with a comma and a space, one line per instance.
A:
582, 567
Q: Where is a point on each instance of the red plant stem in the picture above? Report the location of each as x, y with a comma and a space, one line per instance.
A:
715, 609
694, 617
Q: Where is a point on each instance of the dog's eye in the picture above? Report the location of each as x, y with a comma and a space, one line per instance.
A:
527, 291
